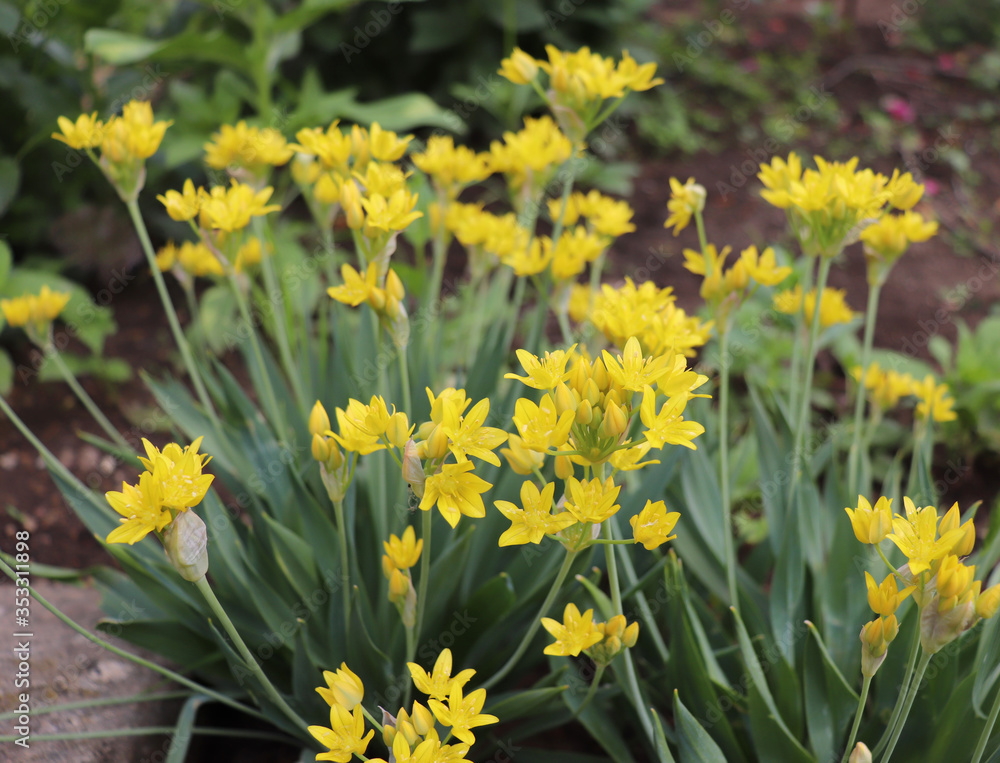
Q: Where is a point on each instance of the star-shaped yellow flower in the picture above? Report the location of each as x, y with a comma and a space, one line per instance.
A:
652, 526
439, 684
535, 520
574, 634
455, 492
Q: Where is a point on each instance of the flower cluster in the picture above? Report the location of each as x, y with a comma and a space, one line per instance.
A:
886, 240
34, 312
584, 419
580, 82
577, 633
887, 387
125, 142
647, 312
386, 300
725, 289
411, 736
833, 307
950, 599
247, 152
400, 555
172, 483
829, 207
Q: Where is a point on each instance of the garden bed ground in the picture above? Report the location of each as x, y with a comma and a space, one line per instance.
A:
927, 293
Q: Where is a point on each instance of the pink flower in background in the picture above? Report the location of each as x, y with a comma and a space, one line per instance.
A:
899, 109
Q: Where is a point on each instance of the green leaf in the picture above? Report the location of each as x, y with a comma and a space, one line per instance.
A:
404, 112
662, 749
830, 701
122, 48
180, 740
696, 746
765, 720
219, 319
6, 263
6, 373
512, 705
119, 47
10, 180
787, 587
987, 665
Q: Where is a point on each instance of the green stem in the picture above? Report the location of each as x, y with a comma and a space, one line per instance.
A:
802, 420
702, 238
535, 623
413, 634
404, 381
911, 694
438, 259
631, 681
168, 306
345, 567
795, 370
515, 315
270, 399
251, 664
897, 709
83, 397
591, 691
987, 730
92, 703
166, 672
567, 191
866, 684
854, 458
280, 325
724, 477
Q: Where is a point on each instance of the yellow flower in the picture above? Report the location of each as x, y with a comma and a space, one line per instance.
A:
531, 153
631, 371
386, 146
574, 634
535, 520
518, 67
607, 216
142, 508
86, 132
530, 258
520, 459
933, 401
463, 713
871, 525
685, 201
884, 598
652, 526
332, 147
833, 308
184, 205
381, 178
248, 255
230, 209
355, 438
591, 501
885, 387
178, 473
355, 289
468, 437
342, 688
916, 536
394, 213
888, 238
616, 636
630, 459
439, 684
538, 426
762, 267
452, 167
346, 736
667, 426
36, 310
134, 135
403, 552
198, 260
251, 147
455, 492
575, 248
543, 373
583, 77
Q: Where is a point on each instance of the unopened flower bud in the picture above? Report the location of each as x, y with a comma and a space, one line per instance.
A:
565, 400
350, 200
398, 431
860, 754
615, 422
334, 459
564, 467
599, 375
413, 469
437, 443
388, 727
964, 546
394, 286
305, 170
319, 421
521, 68
320, 449
327, 188
631, 635
591, 392
584, 413
988, 602
186, 543
611, 398
422, 719
399, 586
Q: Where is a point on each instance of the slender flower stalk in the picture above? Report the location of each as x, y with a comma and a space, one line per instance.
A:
535, 623
345, 566
865, 685
911, 694
987, 731
591, 690
724, 476
854, 457
802, 419
251, 664
168, 306
911, 665
83, 397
